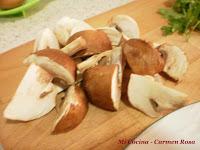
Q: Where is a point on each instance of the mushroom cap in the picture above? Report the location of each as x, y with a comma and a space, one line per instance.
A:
142, 57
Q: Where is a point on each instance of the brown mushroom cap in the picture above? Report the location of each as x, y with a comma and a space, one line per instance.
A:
99, 86
142, 57
72, 111
56, 62
97, 42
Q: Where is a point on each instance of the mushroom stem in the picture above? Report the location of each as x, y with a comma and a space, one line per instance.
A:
93, 61
75, 46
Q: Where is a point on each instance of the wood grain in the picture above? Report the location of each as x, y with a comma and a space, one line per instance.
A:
100, 129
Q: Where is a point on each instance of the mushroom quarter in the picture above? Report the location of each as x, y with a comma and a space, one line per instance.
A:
72, 111
101, 86
56, 62
96, 42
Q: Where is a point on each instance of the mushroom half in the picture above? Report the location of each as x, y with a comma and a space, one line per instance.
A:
153, 98
27, 103
71, 111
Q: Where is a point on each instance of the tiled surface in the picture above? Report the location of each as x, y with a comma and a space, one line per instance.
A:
15, 31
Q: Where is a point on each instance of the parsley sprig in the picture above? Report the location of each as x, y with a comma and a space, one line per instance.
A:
183, 17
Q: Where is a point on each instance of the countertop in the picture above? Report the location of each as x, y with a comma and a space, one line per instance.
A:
17, 30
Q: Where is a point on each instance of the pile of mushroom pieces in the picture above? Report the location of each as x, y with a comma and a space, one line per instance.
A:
74, 64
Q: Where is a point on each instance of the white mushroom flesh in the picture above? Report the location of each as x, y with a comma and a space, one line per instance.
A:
115, 89
152, 97
26, 104
176, 62
127, 25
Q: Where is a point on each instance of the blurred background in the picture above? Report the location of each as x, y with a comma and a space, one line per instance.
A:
18, 29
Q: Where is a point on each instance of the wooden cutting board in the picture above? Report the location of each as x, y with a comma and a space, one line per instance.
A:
100, 129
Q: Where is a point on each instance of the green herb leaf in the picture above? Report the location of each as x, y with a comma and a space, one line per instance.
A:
167, 30
183, 17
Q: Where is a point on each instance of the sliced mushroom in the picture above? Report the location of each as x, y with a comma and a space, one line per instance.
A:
67, 27
27, 103
176, 62
142, 57
46, 39
96, 42
72, 111
101, 86
94, 60
113, 34
152, 97
55, 62
125, 24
